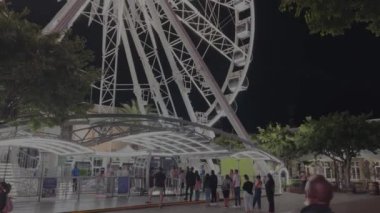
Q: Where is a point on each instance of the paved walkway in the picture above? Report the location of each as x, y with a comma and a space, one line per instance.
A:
286, 203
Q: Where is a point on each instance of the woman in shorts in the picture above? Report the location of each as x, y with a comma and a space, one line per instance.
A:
226, 186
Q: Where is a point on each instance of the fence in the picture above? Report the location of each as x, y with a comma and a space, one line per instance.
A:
74, 187
77, 187
62, 188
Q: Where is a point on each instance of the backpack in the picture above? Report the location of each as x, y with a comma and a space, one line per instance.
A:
226, 184
8, 206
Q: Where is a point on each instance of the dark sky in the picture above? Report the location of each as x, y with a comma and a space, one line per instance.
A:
293, 74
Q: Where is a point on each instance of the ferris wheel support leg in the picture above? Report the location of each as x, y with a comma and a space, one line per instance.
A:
136, 85
111, 40
154, 84
204, 70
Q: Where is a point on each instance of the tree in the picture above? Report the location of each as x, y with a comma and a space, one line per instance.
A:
39, 76
133, 108
341, 137
279, 141
333, 17
229, 143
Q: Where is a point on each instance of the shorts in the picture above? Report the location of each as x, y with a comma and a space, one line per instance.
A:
226, 193
160, 189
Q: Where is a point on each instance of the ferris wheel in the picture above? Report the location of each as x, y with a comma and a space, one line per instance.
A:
188, 54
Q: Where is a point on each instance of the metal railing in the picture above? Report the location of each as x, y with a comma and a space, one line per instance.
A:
63, 188
83, 186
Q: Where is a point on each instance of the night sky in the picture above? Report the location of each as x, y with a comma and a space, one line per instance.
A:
293, 74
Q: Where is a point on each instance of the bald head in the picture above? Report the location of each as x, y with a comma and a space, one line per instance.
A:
318, 190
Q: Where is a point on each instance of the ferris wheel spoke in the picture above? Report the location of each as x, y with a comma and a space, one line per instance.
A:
224, 3
189, 76
152, 67
177, 76
66, 16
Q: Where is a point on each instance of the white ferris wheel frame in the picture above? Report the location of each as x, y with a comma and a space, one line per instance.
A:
143, 18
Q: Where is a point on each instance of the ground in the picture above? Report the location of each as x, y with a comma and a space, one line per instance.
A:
285, 203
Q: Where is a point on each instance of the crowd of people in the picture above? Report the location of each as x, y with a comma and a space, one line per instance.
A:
192, 182
318, 191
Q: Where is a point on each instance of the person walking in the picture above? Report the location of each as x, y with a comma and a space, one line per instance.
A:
318, 193
75, 174
182, 179
99, 180
226, 186
232, 186
190, 183
236, 184
213, 186
206, 188
248, 195
269, 188
6, 204
159, 184
151, 186
257, 196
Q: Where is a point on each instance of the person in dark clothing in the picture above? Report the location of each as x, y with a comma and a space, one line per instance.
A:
226, 185
75, 173
206, 187
269, 188
257, 196
213, 186
190, 183
3, 196
318, 193
4, 191
159, 184
248, 194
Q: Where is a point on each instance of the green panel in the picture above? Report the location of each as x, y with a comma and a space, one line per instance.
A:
245, 166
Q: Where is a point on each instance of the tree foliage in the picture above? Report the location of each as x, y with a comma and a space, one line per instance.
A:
340, 136
333, 17
39, 76
133, 108
279, 141
229, 143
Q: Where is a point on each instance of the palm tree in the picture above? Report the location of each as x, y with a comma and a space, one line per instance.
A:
133, 108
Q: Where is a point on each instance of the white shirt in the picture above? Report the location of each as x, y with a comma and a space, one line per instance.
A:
236, 180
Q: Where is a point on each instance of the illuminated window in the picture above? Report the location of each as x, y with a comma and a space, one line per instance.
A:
327, 170
355, 171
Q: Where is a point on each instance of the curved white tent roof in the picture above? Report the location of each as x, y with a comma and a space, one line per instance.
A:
146, 134
59, 147
172, 143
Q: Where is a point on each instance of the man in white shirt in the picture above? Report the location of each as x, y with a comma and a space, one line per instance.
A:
236, 184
